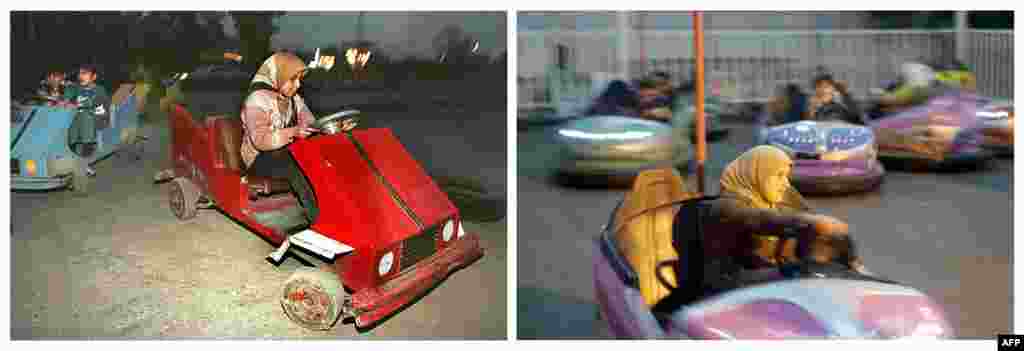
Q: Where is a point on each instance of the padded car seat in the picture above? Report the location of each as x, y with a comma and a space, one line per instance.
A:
230, 150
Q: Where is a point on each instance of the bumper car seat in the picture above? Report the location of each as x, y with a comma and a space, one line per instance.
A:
231, 152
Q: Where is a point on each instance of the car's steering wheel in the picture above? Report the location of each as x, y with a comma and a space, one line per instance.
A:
334, 123
806, 266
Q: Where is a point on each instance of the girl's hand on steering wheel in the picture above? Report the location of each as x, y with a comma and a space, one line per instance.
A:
348, 125
306, 132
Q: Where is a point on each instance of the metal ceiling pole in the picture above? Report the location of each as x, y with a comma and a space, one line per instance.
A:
701, 150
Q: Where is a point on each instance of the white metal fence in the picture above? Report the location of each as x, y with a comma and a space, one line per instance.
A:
990, 55
748, 65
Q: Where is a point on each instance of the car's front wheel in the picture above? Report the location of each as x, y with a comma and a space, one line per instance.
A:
313, 298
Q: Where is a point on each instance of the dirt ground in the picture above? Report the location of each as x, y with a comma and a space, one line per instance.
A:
117, 264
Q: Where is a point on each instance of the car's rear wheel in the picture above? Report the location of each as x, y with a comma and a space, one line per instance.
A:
183, 196
313, 298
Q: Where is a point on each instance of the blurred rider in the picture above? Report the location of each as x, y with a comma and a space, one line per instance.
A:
917, 81
653, 101
832, 97
956, 75
53, 86
788, 105
93, 102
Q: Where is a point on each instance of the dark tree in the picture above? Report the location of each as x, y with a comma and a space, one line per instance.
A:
453, 44
255, 30
990, 19
913, 19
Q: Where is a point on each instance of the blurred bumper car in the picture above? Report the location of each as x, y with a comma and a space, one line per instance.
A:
829, 157
944, 133
614, 149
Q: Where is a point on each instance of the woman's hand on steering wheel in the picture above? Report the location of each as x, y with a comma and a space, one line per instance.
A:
825, 239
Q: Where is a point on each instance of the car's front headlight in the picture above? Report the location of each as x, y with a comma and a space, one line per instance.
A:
31, 168
448, 230
386, 263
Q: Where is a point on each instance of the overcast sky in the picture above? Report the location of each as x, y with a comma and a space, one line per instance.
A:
408, 33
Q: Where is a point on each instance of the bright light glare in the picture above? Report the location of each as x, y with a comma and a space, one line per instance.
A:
356, 58
604, 136
993, 114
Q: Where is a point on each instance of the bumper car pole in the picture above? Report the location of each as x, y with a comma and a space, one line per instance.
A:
698, 43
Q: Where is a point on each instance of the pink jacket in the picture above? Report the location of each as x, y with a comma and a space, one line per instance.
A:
262, 120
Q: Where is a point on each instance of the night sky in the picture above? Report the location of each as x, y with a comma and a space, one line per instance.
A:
405, 33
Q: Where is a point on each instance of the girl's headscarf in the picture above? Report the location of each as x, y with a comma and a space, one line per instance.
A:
743, 178
277, 69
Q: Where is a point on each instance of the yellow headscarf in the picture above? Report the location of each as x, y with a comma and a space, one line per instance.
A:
743, 179
744, 176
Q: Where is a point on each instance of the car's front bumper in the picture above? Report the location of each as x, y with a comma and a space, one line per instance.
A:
39, 183
374, 304
907, 160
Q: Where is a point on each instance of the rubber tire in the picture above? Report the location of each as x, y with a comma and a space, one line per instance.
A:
182, 189
326, 285
914, 164
475, 204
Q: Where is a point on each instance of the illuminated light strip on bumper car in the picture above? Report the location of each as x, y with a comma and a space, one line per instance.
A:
604, 136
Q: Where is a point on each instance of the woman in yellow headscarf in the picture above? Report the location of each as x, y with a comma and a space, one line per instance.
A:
755, 206
741, 228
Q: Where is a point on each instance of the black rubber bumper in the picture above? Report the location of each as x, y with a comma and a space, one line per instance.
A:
840, 185
959, 161
1000, 150
617, 178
